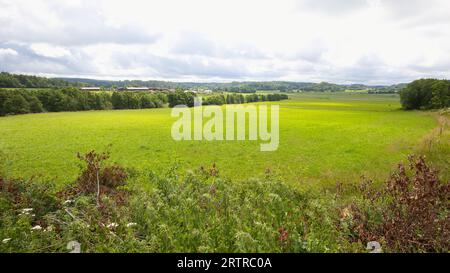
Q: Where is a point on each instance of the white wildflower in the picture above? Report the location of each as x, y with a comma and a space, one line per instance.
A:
131, 224
67, 202
5, 241
49, 229
112, 225
26, 211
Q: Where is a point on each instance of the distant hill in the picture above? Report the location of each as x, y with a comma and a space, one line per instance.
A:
8, 80
247, 86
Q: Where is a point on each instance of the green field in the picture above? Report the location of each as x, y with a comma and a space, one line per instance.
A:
324, 138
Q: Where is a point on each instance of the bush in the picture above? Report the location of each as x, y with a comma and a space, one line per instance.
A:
411, 213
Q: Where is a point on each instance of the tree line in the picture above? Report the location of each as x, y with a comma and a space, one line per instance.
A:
21, 101
426, 94
14, 102
187, 98
8, 80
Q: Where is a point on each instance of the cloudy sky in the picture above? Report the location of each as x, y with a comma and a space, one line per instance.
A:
341, 41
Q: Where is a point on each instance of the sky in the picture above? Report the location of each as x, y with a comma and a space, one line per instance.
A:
339, 41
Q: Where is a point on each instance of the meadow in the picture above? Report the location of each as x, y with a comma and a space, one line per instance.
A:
324, 138
152, 194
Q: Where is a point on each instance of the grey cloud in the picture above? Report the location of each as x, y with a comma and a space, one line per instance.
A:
76, 26
193, 43
27, 61
173, 67
197, 55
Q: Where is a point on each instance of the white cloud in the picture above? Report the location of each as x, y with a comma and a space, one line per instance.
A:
368, 41
8, 51
48, 50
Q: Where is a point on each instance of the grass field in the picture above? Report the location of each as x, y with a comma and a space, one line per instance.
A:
324, 138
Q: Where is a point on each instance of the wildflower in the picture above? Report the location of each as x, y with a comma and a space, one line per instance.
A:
26, 211
284, 235
67, 202
38, 227
131, 224
49, 229
112, 225
5, 241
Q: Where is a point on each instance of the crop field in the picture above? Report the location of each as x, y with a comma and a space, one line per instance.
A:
324, 138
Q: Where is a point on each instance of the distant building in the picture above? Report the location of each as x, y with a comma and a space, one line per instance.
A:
137, 89
90, 88
143, 89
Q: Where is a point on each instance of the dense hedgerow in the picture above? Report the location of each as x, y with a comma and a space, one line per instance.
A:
202, 212
14, 102
187, 98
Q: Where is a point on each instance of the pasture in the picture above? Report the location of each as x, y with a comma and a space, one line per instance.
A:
324, 138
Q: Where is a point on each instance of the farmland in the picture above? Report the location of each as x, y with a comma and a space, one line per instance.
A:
324, 138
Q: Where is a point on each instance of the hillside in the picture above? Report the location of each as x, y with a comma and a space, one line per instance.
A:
8, 80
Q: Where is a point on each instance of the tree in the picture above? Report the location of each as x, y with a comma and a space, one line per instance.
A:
118, 101
181, 98
147, 101
35, 105
440, 94
425, 94
16, 104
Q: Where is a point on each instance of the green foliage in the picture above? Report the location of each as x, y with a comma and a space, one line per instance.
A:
181, 98
201, 212
8, 80
71, 99
35, 105
215, 100
197, 212
426, 94
16, 104
221, 99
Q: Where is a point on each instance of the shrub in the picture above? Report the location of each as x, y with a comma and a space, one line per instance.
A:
411, 213
95, 178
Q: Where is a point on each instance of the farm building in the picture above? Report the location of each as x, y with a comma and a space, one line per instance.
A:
143, 89
90, 88
136, 89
